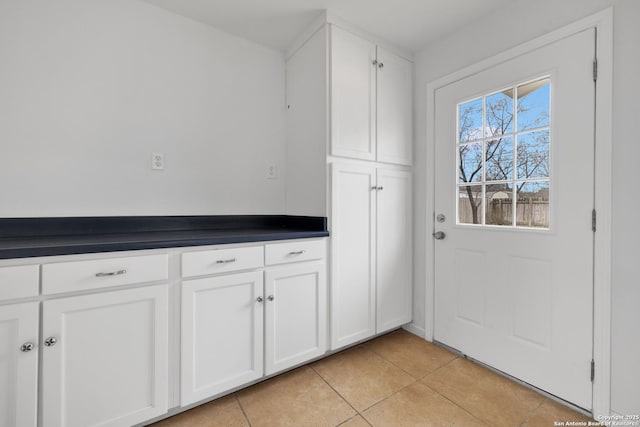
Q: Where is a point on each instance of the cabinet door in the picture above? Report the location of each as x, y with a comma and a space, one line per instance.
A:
352, 254
108, 364
353, 94
394, 249
295, 315
19, 364
394, 112
222, 326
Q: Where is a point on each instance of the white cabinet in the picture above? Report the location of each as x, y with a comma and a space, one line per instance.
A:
19, 364
295, 315
104, 358
371, 251
222, 333
353, 96
394, 274
370, 101
238, 327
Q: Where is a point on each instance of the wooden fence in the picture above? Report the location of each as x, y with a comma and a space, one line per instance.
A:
529, 212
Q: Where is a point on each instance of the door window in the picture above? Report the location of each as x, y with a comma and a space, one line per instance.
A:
503, 157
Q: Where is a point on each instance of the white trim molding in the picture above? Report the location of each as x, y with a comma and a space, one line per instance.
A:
603, 22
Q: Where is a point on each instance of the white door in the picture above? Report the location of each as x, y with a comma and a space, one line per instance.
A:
394, 249
353, 219
353, 96
295, 315
514, 195
394, 108
104, 358
19, 364
222, 327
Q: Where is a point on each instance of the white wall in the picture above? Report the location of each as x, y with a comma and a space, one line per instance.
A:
90, 88
520, 21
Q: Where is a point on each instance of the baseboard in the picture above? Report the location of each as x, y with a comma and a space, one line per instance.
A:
414, 329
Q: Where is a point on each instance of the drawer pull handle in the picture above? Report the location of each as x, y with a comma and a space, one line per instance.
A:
297, 252
226, 261
112, 273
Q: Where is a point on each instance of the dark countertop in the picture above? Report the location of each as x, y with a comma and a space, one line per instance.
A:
36, 237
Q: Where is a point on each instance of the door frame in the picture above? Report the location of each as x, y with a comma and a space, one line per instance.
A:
603, 22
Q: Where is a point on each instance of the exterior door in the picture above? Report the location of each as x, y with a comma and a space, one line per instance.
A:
514, 198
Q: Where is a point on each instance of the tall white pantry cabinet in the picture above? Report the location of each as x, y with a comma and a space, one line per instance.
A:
349, 154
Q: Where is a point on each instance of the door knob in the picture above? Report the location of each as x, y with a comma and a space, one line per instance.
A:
439, 235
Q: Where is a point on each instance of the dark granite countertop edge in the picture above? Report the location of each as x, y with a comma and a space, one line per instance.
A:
94, 245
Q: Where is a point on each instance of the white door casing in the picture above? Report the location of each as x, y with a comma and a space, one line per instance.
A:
521, 300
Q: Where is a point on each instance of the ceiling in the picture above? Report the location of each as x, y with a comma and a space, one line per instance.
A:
408, 24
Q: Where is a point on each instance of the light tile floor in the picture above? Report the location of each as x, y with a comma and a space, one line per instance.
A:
395, 380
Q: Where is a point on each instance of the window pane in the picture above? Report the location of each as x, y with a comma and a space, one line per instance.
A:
470, 204
532, 207
533, 104
499, 112
470, 166
499, 199
499, 159
470, 121
533, 155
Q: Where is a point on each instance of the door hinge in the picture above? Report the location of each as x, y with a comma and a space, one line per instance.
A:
593, 220
595, 69
593, 370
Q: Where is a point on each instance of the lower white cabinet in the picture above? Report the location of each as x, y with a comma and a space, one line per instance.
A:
19, 364
295, 315
104, 358
238, 327
222, 324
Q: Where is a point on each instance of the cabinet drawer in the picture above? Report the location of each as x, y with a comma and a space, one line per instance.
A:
103, 273
19, 282
294, 251
221, 261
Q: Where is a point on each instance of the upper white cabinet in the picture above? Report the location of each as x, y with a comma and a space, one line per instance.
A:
394, 108
353, 96
370, 101
104, 358
19, 364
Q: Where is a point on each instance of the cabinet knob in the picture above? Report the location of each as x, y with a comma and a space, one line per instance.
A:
27, 347
50, 342
375, 62
380, 65
271, 298
259, 299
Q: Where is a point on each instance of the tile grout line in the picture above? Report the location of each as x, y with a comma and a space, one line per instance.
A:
532, 412
246, 417
336, 391
456, 404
